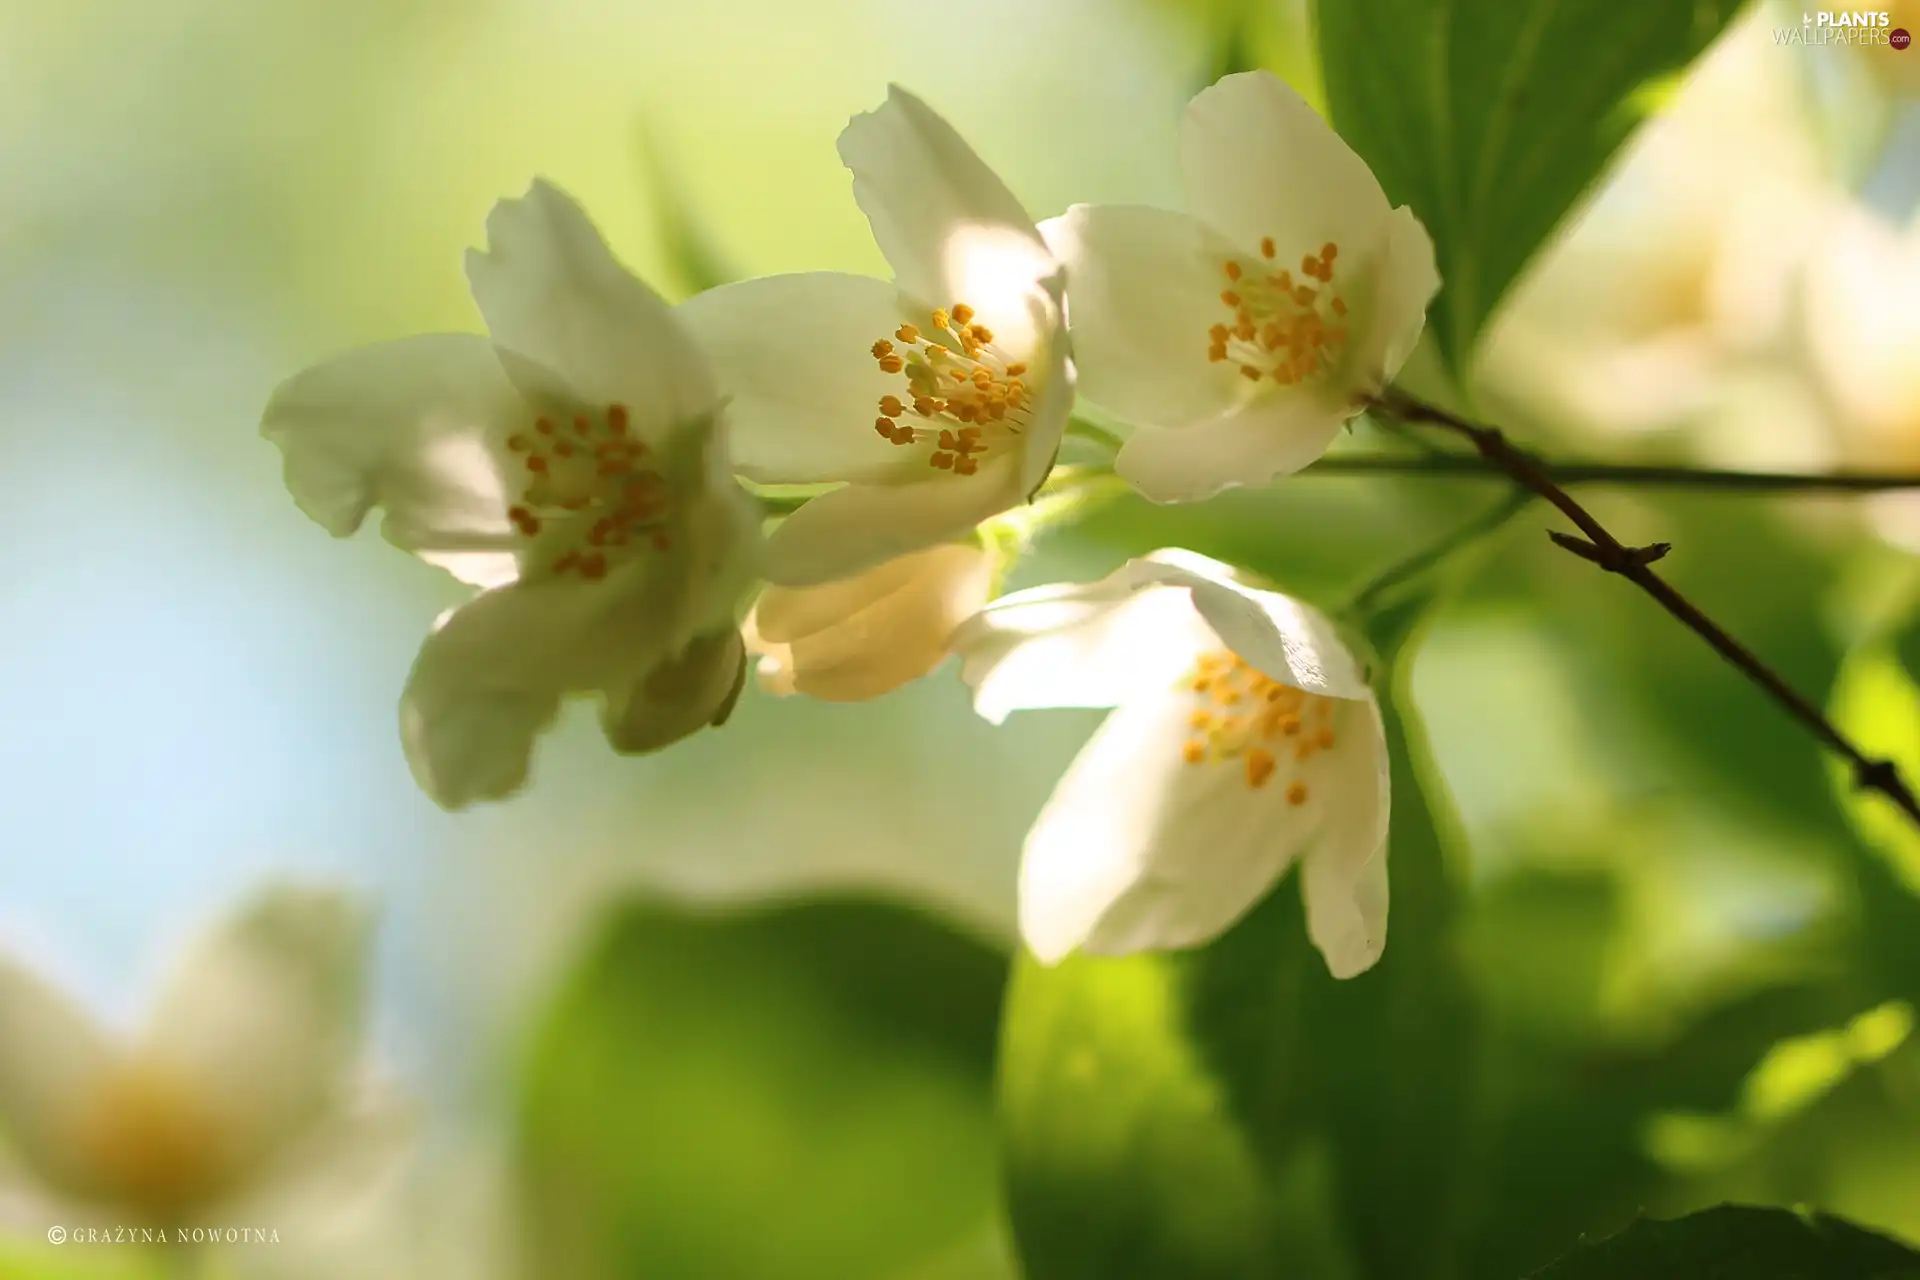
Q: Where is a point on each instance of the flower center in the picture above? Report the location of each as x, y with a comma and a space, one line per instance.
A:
968, 394
1245, 716
586, 478
1283, 328
151, 1140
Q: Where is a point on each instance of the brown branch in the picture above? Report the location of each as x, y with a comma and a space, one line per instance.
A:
1636, 565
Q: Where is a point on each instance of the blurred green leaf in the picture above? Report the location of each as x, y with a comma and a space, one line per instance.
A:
1149, 1105
81, 1262
1491, 117
1740, 1243
1876, 703
802, 1093
697, 259
1394, 1050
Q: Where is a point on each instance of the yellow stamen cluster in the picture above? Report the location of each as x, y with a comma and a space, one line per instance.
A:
1245, 715
973, 398
1283, 328
589, 467
152, 1140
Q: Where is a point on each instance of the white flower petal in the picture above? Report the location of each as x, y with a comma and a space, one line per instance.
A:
1096, 644
1282, 431
51, 1056
1078, 645
1137, 849
677, 697
1047, 426
853, 528
1258, 161
551, 291
926, 194
263, 1016
1401, 279
415, 427
1144, 287
1345, 873
793, 354
490, 679
1292, 642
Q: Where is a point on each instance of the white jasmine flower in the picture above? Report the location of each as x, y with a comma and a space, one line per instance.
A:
863, 636
1242, 336
242, 1083
576, 466
939, 400
1244, 737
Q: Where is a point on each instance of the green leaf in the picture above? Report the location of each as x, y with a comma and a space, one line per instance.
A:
697, 259
797, 1094
1491, 117
1210, 1114
1735, 1242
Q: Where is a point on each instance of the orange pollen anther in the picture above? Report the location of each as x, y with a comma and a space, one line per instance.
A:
955, 379
1279, 329
1221, 683
592, 476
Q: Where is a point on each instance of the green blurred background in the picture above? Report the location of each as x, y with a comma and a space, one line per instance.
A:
1672, 916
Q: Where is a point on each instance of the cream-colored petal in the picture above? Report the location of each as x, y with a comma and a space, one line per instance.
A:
1137, 849
678, 696
946, 221
861, 637
1863, 332
261, 1018
52, 1054
1344, 876
1283, 430
858, 526
417, 428
793, 354
1401, 279
1259, 162
1144, 291
552, 291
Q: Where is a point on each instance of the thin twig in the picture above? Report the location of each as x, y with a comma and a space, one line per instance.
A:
1635, 565
1645, 477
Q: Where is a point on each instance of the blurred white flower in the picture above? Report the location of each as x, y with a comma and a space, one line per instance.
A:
1677, 280
939, 400
863, 636
574, 465
1244, 737
1242, 336
1862, 322
241, 1089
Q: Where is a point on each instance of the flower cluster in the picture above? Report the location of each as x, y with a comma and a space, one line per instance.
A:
596, 464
